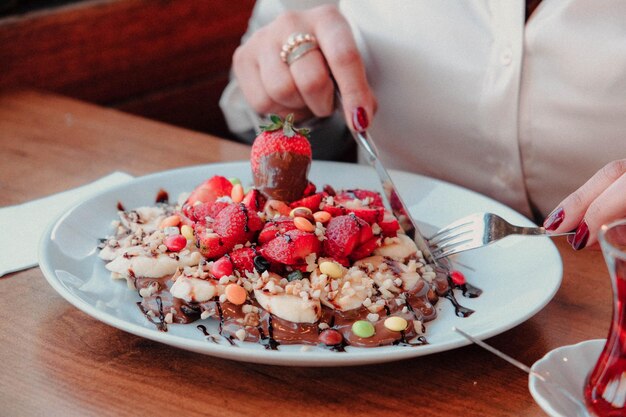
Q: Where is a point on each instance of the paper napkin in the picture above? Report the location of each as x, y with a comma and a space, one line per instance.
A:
21, 226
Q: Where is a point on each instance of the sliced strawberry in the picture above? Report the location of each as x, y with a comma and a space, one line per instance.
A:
309, 190
210, 190
222, 267
186, 215
335, 211
292, 247
254, 200
211, 244
374, 198
343, 234
237, 223
243, 259
365, 249
278, 225
311, 202
201, 211
369, 214
366, 233
389, 225
346, 202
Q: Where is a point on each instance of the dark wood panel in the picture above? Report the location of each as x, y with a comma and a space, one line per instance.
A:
194, 106
116, 52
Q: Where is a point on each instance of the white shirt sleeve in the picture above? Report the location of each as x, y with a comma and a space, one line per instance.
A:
240, 117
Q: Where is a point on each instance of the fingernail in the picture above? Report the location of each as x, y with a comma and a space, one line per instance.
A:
554, 219
359, 119
581, 236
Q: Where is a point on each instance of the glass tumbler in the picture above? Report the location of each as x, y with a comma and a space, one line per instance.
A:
605, 388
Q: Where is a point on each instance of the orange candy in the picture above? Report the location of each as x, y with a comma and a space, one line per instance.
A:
235, 294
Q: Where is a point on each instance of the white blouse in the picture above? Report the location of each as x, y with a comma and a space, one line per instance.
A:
469, 93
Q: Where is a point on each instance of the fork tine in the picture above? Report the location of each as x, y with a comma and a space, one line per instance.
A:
452, 244
452, 226
446, 237
456, 249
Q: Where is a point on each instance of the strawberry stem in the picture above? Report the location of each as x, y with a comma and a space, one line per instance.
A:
286, 125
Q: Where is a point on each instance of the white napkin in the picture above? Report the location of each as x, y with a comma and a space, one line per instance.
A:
21, 226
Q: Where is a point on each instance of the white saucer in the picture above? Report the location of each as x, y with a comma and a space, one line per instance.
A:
565, 370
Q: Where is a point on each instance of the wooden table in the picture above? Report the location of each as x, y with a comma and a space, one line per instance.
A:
57, 361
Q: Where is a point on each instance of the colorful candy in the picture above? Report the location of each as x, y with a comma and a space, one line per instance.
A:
175, 243
187, 231
222, 267
396, 324
363, 329
330, 337
457, 277
235, 294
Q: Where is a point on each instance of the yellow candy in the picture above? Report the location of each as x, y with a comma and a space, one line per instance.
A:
332, 269
396, 324
186, 231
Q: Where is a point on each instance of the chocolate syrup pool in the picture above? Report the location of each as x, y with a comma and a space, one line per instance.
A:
416, 307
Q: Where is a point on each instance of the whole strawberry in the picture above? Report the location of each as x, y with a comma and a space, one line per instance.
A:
281, 158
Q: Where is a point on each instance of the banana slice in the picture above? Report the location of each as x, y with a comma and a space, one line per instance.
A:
399, 248
195, 290
151, 266
290, 307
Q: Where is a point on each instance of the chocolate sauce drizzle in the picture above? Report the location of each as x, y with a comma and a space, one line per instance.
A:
419, 308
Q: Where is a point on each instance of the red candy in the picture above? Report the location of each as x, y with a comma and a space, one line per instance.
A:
330, 337
457, 277
222, 267
175, 243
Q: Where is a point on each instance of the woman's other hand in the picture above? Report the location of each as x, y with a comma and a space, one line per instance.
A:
600, 200
305, 87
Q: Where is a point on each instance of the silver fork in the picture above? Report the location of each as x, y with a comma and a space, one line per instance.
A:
477, 230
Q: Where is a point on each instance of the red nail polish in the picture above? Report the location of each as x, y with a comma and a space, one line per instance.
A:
359, 119
581, 236
554, 220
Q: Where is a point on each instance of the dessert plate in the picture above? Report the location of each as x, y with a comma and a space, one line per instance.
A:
519, 275
565, 369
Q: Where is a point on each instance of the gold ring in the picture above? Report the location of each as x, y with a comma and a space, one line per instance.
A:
297, 45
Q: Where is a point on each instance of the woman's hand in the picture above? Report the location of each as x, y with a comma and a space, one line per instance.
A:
600, 200
305, 87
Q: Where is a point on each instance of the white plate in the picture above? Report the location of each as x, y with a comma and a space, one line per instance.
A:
518, 275
565, 369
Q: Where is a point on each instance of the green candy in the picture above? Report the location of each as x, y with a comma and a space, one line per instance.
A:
234, 180
363, 329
